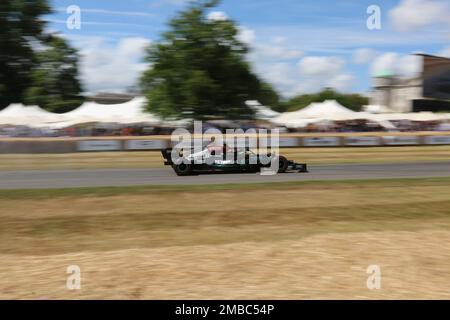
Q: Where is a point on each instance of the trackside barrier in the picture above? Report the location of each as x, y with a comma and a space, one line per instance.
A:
99, 145
289, 142
283, 142
321, 142
401, 140
146, 144
72, 145
437, 140
362, 141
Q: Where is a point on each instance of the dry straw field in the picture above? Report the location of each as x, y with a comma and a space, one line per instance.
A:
290, 240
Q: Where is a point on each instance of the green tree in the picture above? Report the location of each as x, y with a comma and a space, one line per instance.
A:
198, 69
22, 63
20, 27
54, 81
267, 96
351, 101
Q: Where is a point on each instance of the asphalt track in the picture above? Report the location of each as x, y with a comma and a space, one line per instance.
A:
166, 176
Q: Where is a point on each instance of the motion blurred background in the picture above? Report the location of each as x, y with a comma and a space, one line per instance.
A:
91, 91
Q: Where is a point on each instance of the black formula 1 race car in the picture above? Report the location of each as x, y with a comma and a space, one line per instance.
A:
235, 160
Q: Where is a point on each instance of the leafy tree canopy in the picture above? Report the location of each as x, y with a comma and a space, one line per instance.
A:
54, 81
198, 69
22, 61
351, 101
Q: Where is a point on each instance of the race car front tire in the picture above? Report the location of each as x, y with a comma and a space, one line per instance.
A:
283, 164
183, 169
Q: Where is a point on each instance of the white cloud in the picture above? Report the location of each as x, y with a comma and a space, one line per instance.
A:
111, 68
277, 53
246, 35
363, 55
341, 82
277, 61
320, 66
319, 72
277, 50
386, 63
282, 63
217, 16
413, 14
280, 74
444, 52
291, 54
311, 75
132, 48
395, 64
280, 40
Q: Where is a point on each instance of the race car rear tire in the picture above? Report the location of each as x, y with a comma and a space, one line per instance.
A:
283, 164
183, 169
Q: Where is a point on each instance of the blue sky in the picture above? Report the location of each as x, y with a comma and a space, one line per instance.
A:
297, 45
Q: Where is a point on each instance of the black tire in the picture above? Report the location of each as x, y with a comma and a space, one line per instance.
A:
283, 164
183, 169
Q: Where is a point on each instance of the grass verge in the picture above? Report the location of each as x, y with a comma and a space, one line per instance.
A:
18, 194
283, 240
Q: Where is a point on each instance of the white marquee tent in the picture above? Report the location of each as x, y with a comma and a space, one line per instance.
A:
133, 111
328, 110
89, 112
126, 113
18, 114
130, 112
262, 112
